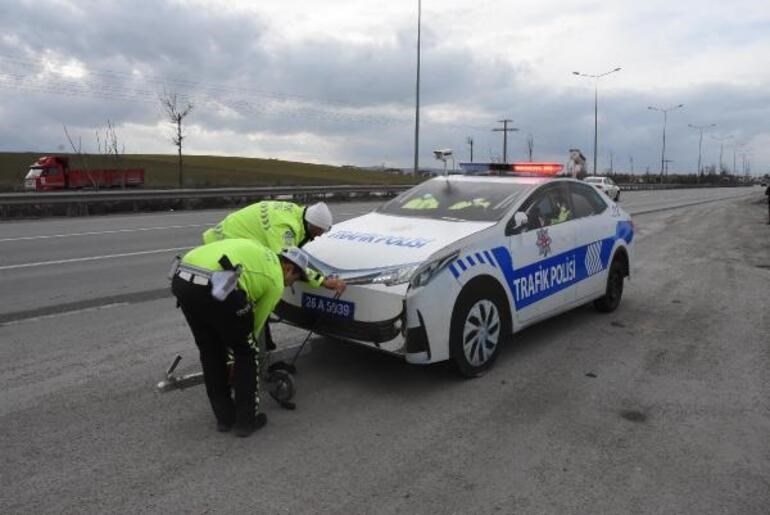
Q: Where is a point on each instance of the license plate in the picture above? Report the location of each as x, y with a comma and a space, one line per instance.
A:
329, 307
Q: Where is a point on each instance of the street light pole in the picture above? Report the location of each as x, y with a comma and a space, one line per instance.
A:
721, 140
596, 105
700, 129
665, 111
417, 95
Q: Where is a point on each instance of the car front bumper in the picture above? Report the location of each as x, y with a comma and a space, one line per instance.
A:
379, 315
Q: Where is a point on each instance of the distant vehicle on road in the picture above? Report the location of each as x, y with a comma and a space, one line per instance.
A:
451, 268
606, 185
54, 173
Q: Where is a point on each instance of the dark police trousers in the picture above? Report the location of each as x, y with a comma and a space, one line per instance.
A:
218, 326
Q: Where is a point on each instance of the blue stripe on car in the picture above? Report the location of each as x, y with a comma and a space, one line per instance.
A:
543, 278
489, 258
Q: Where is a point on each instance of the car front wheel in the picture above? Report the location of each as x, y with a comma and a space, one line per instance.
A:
480, 322
614, 290
617, 196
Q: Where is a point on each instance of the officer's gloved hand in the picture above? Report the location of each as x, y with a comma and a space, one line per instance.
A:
336, 284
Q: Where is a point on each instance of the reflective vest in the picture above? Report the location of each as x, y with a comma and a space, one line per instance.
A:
563, 216
427, 201
273, 223
477, 202
261, 273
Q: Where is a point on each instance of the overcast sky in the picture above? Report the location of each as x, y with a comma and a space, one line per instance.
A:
333, 81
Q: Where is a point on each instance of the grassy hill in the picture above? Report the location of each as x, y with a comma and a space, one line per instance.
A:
206, 171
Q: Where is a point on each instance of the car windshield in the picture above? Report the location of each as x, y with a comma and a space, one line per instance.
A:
444, 199
593, 179
34, 173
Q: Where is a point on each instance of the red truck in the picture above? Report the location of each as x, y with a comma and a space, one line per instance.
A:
53, 173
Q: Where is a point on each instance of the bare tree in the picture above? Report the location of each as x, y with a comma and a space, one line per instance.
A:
110, 147
176, 113
78, 151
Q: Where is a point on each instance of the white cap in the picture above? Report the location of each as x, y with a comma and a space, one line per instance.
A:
319, 215
297, 257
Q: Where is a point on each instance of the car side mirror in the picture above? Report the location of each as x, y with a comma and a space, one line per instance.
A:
518, 223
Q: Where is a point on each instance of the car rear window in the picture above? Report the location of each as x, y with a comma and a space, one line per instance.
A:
446, 199
585, 200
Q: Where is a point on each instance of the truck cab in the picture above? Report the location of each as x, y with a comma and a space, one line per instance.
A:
47, 173
54, 173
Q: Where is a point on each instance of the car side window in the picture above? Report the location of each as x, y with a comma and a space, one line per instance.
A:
562, 207
586, 200
541, 211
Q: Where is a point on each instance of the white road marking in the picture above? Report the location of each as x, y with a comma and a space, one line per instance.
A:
90, 258
97, 233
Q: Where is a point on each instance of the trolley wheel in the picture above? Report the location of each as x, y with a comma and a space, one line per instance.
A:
280, 385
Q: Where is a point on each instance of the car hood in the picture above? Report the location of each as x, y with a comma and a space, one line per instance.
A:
377, 240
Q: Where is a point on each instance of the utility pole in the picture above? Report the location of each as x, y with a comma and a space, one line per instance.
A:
631, 163
612, 156
505, 130
469, 141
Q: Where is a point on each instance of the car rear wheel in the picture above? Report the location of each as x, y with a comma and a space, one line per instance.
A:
614, 290
617, 196
480, 322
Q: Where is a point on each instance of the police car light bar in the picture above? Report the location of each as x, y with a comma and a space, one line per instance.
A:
520, 169
537, 168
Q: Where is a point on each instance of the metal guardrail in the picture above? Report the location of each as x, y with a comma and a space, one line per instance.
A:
636, 186
64, 197
79, 197
89, 202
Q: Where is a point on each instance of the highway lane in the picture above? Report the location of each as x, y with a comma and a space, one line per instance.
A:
73, 263
660, 407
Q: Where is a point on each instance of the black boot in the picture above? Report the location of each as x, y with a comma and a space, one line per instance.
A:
244, 430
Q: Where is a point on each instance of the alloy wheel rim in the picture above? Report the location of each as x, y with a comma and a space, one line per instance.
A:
481, 332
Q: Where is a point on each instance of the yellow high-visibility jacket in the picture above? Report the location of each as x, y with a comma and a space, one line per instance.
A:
261, 274
275, 224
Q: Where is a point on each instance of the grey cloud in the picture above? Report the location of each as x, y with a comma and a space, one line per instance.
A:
360, 96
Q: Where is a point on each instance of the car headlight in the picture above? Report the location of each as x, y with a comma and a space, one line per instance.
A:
427, 271
394, 276
418, 274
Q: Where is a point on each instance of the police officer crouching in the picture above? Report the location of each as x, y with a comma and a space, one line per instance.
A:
226, 290
277, 225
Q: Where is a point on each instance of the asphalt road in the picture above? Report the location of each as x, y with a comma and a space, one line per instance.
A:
660, 407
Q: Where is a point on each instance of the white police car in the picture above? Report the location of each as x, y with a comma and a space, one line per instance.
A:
451, 268
606, 185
